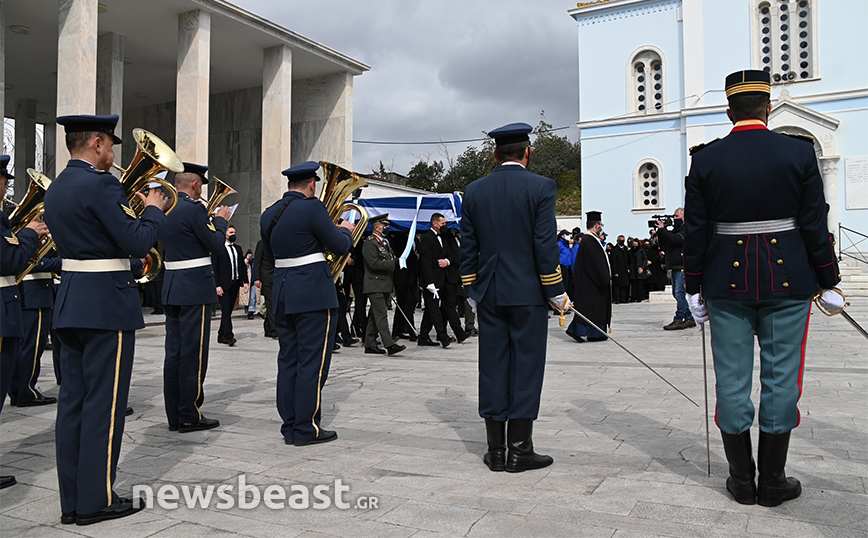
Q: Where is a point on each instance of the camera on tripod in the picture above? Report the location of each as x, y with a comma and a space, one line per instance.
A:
667, 220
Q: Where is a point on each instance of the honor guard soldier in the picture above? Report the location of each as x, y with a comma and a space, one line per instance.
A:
296, 232
757, 248
380, 262
15, 252
37, 295
509, 267
189, 289
96, 232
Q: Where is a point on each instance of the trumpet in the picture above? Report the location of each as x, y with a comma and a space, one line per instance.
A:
339, 183
221, 190
31, 208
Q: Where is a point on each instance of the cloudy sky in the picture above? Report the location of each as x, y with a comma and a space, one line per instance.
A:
443, 70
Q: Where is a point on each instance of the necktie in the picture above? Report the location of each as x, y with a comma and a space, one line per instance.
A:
233, 259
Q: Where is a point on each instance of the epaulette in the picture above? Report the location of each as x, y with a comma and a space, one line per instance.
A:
695, 149
803, 137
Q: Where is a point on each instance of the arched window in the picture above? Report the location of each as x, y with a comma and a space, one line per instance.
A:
647, 186
785, 39
647, 82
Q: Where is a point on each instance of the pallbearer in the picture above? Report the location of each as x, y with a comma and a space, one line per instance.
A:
189, 290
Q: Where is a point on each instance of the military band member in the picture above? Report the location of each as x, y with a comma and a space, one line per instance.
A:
509, 267
757, 248
15, 251
189, 290
380, 262
296, 231
37, 295
96, 232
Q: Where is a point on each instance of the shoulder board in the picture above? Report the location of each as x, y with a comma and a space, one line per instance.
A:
803, 137
695, 149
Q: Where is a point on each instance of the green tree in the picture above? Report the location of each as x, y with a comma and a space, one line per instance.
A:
468, 167
425, 176
558, 158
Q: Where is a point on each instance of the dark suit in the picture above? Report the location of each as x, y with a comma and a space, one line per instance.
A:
305, 307
223, 271
621, 283
406, 286
757, 282
445, 279
15, 251
90, 220
510, 265
263, 268
190, 238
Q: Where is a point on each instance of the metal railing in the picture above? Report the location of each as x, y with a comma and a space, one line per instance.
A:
856, 240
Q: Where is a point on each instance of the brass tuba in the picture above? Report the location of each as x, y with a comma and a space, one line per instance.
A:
151, 267
338, 184
31, 208
221, 190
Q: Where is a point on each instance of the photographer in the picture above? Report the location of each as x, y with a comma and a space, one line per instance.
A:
672, 243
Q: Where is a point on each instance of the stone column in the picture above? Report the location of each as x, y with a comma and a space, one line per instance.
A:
76, 64
276, 121
829, 170
193, 86
25, 144
322, 125
110, 77
49, 153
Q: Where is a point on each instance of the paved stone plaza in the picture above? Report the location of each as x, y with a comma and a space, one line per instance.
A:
630, 457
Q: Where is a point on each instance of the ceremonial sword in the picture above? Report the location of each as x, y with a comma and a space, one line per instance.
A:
852, 321
591, 323
403, 314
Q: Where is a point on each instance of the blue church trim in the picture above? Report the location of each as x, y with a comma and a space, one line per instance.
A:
616, 13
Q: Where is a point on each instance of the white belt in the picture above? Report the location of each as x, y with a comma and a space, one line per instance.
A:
38, 276
755, 227
187, 264
96, 266
283, 263
6, 281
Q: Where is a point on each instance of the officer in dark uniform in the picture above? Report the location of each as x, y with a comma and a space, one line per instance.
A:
757, 248
295, 233
37, 294
96, 232
380, 261
509, 266
15, 251
189, 290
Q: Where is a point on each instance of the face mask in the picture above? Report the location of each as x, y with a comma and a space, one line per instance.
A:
386, 229
621, 242
679, 222
231, 238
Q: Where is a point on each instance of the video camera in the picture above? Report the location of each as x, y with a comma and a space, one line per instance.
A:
667, 220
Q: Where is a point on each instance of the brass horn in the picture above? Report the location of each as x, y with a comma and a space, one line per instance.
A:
151, 268
220, 191
152, 157
31, 208
338, 184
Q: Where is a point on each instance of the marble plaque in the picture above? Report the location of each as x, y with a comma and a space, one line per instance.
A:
857, 182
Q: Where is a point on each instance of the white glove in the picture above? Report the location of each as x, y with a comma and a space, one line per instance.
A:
832, 300
560, 302
433, 290
697, 308
472, 304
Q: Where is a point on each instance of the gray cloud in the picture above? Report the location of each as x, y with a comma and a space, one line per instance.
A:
444, 70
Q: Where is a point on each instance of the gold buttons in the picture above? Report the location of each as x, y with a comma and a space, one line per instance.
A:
740, 242
735, 264
786, 284
774, 241
780, 262
732, 286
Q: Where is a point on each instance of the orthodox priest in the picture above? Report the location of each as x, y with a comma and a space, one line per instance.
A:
592, 284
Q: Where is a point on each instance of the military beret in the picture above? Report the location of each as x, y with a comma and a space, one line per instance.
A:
198, 169
300, 172
85, 123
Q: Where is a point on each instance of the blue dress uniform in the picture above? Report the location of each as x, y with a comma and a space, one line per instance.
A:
295, 233
189, 290
96, 314
37, 291
510, 266
757, 247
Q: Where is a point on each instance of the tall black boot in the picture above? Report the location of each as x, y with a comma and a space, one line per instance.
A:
742, 468
774, 486
521, 456
495, 431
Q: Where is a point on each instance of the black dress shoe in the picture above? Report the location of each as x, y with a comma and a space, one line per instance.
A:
472, 331
6, 481
324, 437
426, 342
129, 411
271, 334
461, 337
250, 316
173, 427
375, 350
395, 348
349, 341
203, 424
336, 347
231, 343
67, 518
445, 342
578, 339
220, 340
42, 400
118, 509
288, 441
